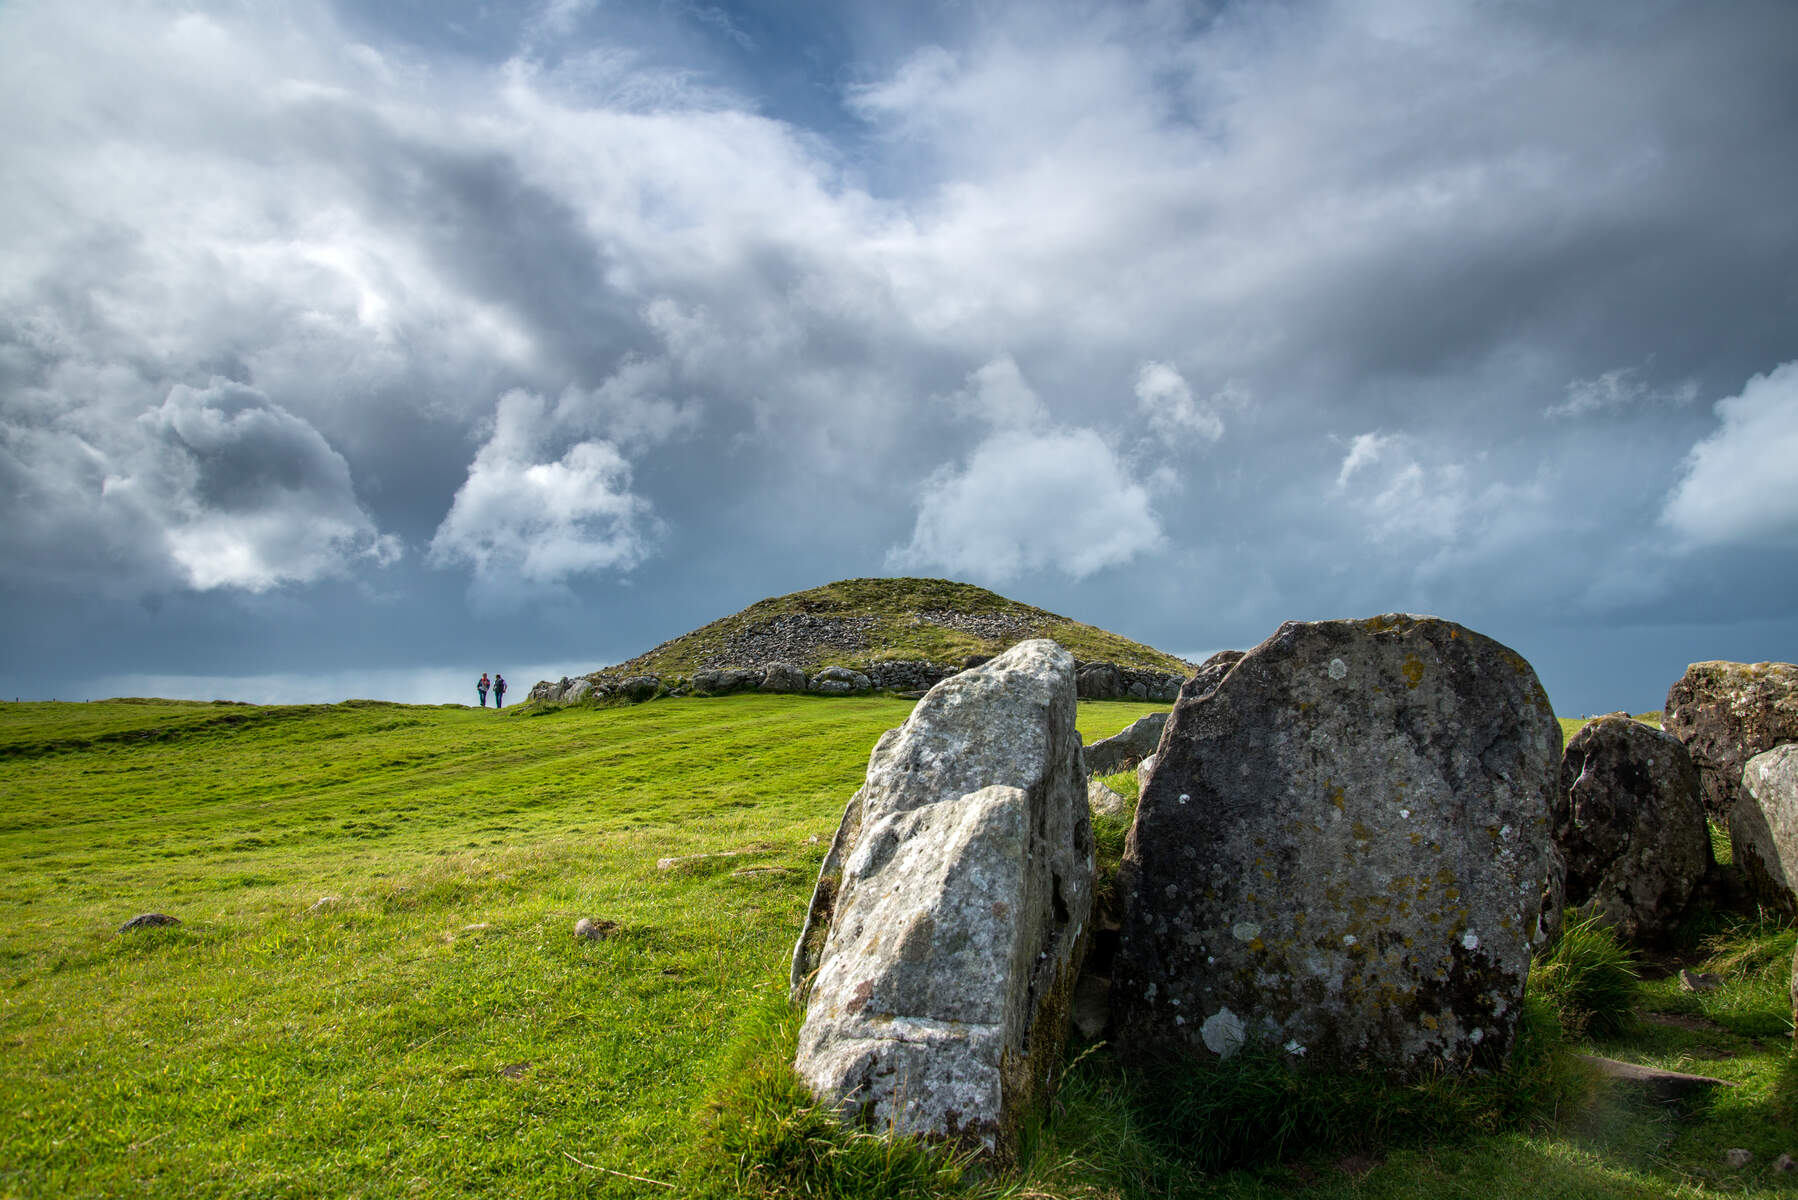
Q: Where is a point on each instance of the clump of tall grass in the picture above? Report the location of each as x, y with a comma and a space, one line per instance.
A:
1589, 978
1754, 958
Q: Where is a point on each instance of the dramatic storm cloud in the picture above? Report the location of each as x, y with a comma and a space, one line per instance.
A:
343, 337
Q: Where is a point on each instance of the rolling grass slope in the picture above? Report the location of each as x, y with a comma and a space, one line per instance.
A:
375, 990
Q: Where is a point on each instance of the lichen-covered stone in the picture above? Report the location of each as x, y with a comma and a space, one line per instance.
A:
1124, 750
1342, 851
1763, 827
1629, 826
1726, 713
945, 933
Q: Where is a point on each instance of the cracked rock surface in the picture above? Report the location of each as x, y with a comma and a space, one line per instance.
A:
939, 956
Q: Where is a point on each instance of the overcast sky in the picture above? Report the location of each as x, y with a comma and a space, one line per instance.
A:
355, 349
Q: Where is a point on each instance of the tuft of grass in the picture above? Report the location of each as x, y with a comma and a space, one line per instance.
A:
1589, 978
1755, 960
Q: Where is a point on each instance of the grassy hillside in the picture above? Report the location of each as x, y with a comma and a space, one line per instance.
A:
933, 620
375, 990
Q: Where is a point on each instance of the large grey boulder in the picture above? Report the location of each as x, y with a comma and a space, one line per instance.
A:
1630, 827
840, 681
1342, 851
782, 677
951, 911
1100, 681
1726, 713
1763, 827
1122, 751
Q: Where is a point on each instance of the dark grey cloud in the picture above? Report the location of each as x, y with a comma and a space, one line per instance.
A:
558, 329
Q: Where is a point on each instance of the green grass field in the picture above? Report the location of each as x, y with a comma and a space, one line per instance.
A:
376, 991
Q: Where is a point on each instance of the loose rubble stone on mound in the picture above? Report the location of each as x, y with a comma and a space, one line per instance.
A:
1726, 713
789, 637
945, 932
1630, 827
993, 626
1342, 850
1124, 750
1763, 827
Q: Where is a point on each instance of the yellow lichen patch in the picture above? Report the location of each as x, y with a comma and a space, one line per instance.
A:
1412, 670
1361, 832
1257, 944
1337, 797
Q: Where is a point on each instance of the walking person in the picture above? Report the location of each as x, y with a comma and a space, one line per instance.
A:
481, 688
499, 690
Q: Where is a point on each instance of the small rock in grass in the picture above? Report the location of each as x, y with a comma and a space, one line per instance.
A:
1102, 799
514, 1070
593, 931
151, 920
1705, 982
1736, 1158
1785, 1164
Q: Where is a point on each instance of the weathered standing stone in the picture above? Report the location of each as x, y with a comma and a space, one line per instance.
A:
1124, 750
1342, 850
1795, 990
951, 910
1629, 825
1763, 827
1726, 713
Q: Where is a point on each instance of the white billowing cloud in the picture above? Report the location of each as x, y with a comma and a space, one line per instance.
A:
1397, 495
1617, 390
1741, 483
1058, 500
998, 394
524, 518
1165, 398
